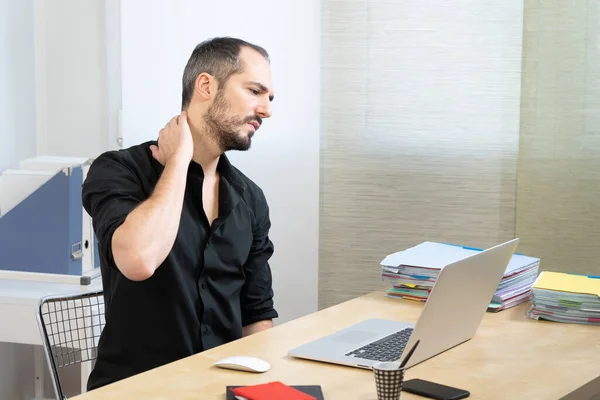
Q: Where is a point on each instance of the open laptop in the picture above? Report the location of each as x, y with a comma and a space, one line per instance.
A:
451, 316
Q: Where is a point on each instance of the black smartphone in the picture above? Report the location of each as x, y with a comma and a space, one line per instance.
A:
433, 390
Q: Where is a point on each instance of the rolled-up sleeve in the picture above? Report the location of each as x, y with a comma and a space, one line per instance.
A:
257, 292
109, 193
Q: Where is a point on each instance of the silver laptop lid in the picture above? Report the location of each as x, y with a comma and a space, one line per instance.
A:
458, 301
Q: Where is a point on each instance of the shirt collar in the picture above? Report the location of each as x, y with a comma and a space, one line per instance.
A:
230, 173
225, 169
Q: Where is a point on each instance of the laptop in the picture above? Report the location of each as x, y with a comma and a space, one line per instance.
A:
454, 309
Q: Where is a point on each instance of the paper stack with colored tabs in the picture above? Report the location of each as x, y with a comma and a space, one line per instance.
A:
414, 271
564, 297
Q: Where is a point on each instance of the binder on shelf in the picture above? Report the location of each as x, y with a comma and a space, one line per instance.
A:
45, 233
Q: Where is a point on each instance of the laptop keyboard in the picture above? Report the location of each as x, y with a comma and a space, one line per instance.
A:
389, 348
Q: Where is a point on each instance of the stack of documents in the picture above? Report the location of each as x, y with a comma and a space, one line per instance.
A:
414, 271
565, 297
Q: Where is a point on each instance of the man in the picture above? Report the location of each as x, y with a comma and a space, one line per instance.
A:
183, 235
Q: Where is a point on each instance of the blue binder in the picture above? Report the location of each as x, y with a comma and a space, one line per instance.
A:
44, 232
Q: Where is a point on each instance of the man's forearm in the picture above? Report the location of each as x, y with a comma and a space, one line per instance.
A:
257, 327
146, 237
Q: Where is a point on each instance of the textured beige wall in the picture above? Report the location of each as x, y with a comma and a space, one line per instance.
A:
558, 196
420, 131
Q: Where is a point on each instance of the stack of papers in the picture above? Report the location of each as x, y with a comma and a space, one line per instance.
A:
570, 298
414, 271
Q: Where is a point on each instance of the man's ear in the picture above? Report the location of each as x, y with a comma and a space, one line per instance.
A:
206, 86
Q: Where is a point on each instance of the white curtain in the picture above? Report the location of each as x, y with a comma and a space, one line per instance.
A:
558, 197
420, 131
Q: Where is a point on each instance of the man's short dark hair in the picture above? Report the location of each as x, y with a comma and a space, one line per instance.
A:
219, 57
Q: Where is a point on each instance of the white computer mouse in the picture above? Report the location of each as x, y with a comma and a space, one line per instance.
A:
244, 363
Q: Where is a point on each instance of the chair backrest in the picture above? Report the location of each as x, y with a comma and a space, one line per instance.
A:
70, 326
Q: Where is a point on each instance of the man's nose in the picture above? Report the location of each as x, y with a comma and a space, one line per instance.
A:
263, 110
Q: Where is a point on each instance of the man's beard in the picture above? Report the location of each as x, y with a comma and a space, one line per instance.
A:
225, 128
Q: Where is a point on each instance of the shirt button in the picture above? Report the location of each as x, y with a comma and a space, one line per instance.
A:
203, 286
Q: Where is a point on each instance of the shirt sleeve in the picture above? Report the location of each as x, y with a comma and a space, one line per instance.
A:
110, 192
257, 292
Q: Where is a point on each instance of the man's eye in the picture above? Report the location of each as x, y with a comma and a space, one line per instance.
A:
254, 92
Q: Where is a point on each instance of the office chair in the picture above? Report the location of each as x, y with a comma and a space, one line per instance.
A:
70, 326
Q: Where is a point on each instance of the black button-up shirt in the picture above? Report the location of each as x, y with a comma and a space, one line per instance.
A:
215, 280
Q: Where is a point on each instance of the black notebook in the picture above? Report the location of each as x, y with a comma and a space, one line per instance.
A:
312, 390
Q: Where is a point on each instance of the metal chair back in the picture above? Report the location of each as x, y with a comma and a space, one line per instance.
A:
70, 326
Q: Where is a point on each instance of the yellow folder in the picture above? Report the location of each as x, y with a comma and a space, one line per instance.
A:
571, 283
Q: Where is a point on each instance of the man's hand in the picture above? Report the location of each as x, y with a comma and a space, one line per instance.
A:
174, 141
143, 241
257, 327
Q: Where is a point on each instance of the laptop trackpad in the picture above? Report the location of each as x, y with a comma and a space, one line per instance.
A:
354, 337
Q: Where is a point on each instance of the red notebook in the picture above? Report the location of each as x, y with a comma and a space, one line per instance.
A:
271, 390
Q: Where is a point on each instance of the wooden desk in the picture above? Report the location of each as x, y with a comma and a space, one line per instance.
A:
511, 357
